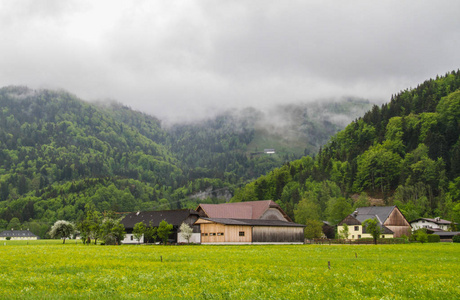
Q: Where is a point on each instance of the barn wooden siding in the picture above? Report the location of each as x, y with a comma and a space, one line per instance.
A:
397, 223
231, 234
273, 234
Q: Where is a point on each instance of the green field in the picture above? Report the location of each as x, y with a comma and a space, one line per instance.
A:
49, 269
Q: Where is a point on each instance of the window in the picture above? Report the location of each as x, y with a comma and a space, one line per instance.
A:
383, 236
220, 233
359, 236
132, 238
212, 234
241, 233
204, 234
356, 228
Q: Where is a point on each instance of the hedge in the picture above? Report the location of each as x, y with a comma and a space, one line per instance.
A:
434, 238
456, 238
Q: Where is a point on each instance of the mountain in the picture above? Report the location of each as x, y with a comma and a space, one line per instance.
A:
59, 154
406, 152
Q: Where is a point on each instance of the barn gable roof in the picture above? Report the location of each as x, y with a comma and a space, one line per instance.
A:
240, 210
251, 222
174, 217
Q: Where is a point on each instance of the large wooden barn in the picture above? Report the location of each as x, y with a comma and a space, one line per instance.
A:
247, 222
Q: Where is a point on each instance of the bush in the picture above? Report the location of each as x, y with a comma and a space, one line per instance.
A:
434, 238
8, 238
456, 238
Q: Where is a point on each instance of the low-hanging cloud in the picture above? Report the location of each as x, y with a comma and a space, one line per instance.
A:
181, 60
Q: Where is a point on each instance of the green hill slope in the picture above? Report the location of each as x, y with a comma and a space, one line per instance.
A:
406, 152
57, 153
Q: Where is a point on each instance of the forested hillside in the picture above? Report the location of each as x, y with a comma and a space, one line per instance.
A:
406, 152
59, 153
231, 146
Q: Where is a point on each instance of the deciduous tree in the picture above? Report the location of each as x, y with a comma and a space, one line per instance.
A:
186, 231
373, 227
62, 229
164, 230
139, 231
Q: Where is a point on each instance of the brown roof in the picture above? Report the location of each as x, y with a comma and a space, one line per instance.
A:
252, 222
240, 210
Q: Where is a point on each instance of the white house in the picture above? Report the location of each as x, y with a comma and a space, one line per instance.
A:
430, 224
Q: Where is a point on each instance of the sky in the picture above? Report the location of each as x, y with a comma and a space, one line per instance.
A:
185, 60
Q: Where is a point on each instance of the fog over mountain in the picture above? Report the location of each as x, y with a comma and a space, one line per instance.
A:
183, 60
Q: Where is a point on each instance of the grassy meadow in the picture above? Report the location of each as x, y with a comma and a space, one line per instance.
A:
49, 270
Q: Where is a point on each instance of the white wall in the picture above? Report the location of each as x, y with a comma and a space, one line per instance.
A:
195, 238
130, 239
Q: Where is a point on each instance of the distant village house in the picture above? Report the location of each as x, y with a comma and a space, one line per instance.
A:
17, 235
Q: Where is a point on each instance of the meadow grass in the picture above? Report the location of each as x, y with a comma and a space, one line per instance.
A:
47, 270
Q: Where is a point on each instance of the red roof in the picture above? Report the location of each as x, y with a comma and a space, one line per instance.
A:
240, 210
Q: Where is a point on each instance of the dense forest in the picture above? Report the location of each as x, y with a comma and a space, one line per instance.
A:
59, 153
404, 153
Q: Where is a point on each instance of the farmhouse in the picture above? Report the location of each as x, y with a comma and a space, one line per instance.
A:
247, 222
18, 235
391, 221
174, 217
436, 224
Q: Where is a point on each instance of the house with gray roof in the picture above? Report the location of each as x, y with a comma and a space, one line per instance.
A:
17, 235
390, 219
153, 218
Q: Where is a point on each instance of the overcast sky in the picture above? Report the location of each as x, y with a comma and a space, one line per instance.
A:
182, 59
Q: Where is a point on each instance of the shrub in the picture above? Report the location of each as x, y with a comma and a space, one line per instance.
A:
434, 238
456, 238
8, 238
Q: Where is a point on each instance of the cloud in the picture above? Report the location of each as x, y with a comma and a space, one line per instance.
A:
182, 60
